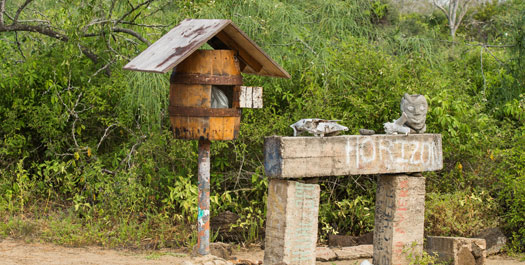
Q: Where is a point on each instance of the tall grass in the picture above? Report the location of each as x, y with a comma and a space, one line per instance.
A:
145, 99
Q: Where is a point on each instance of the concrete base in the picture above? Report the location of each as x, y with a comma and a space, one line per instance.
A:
458, 250
291, 222
399, 218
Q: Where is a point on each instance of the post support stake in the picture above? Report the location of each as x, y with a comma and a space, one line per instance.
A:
203, 219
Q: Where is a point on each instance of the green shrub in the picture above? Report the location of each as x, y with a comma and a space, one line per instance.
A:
460, 213
511, 192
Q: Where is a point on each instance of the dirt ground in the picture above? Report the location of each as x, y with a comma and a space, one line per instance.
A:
14, 252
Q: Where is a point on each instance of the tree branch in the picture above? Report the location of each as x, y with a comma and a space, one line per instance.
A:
106, 133
121, 30
15, 19
2, 11
44, 30
442, 9
144, 25
463, 12
133, 10
132, 33
18, 45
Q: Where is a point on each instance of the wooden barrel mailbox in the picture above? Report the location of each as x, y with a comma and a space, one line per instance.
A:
191, 85
205, 89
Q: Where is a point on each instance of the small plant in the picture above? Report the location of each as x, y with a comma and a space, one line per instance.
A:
422, 258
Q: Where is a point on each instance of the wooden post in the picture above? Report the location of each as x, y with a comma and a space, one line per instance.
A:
203, 219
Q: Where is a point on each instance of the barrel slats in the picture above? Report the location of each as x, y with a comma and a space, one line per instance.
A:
190, 96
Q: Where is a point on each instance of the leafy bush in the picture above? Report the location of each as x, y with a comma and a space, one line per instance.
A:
460, 213
511, 192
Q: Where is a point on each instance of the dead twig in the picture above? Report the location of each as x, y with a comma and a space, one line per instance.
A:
128, 157
104, 68
18, 45
106, 134
133, 9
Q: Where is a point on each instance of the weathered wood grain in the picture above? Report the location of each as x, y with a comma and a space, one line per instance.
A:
299, 157
193, 101
251, 97
184, 39
245, 99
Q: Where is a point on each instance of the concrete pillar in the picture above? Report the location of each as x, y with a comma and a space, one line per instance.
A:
291, 222
399, 218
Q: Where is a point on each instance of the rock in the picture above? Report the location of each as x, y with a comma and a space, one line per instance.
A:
465, 257
207, 260
221, 250
342, 241
366, 132
366, 239
355, 252
495, 239
218, 249
459, 250
325, 254
223, 224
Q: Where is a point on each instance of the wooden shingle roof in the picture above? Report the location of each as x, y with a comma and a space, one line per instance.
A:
180, 42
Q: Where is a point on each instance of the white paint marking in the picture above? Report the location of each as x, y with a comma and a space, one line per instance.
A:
402, 158
348, 149
357, 152
412, 161
362, 151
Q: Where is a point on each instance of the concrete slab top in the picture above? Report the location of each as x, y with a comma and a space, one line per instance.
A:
299, 157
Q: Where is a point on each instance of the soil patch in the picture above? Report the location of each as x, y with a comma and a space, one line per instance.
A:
16, 252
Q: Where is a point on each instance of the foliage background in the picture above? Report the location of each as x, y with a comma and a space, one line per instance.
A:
87, 155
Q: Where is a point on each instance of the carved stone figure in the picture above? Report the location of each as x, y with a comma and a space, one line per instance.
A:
318, 127
413, 116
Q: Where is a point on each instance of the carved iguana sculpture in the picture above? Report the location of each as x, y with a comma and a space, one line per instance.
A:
318, 127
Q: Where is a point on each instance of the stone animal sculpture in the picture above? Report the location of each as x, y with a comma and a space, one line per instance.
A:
318, 127
413, 116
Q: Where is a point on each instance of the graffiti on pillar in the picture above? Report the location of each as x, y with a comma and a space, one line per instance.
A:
303, 245
400, 221
383, 221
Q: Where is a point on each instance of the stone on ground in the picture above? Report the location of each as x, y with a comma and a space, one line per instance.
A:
342, 241
458, 250
325, 254
218, 249
221, 224
495, 239
207, 260
221, 250
355, 252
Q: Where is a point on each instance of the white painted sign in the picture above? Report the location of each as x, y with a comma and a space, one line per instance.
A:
298, 157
